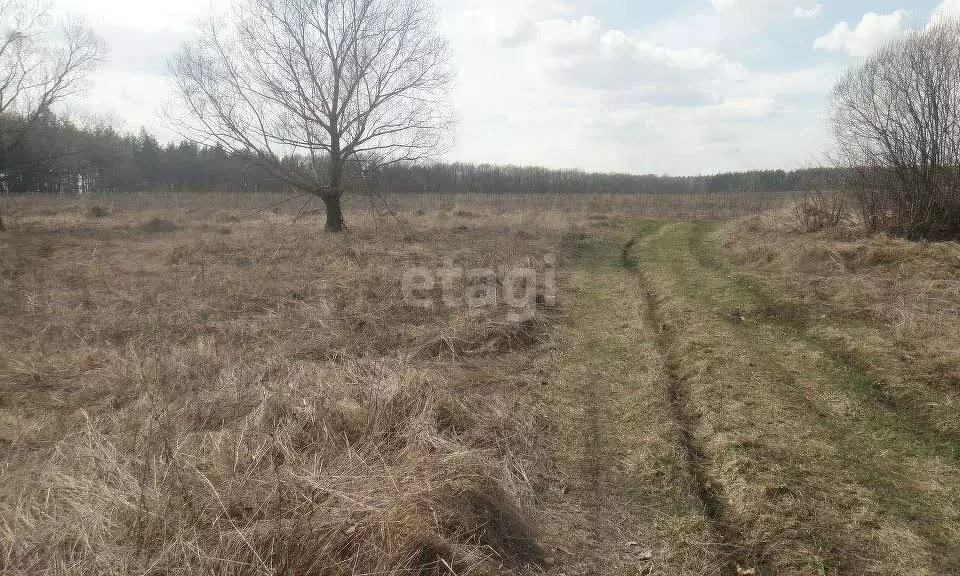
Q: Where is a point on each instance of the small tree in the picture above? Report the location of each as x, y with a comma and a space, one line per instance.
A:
897, 125
42, 62
305, 87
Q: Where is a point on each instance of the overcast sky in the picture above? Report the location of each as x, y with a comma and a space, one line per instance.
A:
641, 86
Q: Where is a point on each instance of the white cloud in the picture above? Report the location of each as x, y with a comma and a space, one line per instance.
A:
583, 53
726, 25
733, 108
872, 31
573, 92
127, 100
547, 82
169, 15
770, 8
946, 10
503, 21
808, 12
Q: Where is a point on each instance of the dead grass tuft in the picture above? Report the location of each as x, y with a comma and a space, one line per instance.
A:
158, 226
819, 210
478, 336
97, 211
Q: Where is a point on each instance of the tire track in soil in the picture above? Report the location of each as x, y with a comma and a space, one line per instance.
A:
593, 458
618, 498
731, 541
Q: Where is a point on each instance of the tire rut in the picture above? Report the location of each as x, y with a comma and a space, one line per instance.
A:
711, 495
593, 458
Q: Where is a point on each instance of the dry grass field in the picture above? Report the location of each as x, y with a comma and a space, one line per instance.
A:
211, 384
188, 390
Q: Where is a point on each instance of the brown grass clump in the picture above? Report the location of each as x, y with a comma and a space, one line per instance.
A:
819, 211
97, 211
260, 402
158, 226
475, 336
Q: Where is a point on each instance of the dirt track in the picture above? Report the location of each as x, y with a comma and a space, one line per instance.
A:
711, 428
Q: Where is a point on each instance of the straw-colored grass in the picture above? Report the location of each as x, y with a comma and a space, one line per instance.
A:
212, 384
824, 440
202, 388
890, 305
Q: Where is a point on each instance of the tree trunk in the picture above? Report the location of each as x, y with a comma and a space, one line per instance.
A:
3, 183
331, 197
331, 200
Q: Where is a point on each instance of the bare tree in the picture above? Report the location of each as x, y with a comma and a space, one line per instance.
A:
308, 88
42, 62
897, 124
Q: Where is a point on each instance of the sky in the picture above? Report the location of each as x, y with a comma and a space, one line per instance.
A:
637, 86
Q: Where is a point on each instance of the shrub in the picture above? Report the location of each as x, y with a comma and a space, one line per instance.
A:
819, 210
897, 125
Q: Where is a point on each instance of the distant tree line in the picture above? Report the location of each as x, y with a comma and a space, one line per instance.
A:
56, 156
489, 179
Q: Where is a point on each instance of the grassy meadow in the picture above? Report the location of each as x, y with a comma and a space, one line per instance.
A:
210, 384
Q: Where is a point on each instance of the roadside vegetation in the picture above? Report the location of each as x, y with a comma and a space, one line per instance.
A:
814, 467
896, 122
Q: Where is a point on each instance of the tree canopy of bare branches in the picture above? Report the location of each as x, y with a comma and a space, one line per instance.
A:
314, 88
42, 62
897, 125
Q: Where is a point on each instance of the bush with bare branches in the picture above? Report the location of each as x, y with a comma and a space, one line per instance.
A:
820, 210
897, 125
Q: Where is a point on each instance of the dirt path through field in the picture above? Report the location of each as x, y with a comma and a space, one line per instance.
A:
705, 430
626, 501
